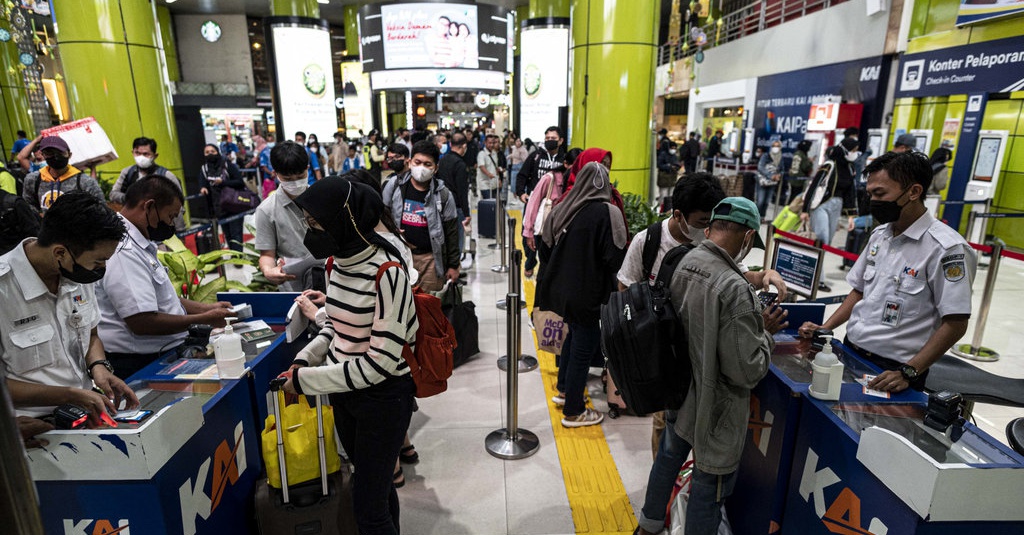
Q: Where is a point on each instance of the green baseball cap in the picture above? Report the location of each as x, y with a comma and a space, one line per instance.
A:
743, 211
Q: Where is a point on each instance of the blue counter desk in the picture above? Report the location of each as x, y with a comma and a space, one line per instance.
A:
190, 468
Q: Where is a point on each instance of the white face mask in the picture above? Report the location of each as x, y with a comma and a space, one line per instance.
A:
852, 156
776, 150
671, 151
143, 161
421, 174
294, 187
695, 235
744, 251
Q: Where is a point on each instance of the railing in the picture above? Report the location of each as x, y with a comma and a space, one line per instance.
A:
748, 20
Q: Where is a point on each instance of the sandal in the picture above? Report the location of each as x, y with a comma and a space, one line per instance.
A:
399, 479
408, 458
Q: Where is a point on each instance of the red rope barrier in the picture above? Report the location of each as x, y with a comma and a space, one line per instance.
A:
839, 252
1013, 255
987, 249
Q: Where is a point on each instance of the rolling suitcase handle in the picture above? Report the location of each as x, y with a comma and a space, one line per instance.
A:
275, 386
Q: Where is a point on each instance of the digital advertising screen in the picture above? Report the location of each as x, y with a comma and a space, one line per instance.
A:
544, 59
304, 80
799, 265
988, 154
357, 99
438, 35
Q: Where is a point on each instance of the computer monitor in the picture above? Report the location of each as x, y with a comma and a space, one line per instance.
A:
799, 265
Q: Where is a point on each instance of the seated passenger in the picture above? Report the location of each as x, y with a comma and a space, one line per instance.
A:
142, 315
49, 345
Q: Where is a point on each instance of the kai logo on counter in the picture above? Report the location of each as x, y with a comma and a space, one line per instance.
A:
760, 426
228, 464
99, 527
843, 515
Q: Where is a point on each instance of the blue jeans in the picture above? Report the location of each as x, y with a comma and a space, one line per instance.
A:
488, 193
824, 219
765, 196
371, 424
582, 343
514, 171
672, 453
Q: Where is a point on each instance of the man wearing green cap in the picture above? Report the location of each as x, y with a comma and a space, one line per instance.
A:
730, 341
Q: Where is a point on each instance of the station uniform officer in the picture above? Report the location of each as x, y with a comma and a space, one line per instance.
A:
142, 315
911, 296
49, 346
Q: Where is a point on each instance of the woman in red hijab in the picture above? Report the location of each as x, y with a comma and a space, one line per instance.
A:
604, 157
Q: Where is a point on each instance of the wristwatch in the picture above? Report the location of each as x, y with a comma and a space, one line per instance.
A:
908, 372
103, 362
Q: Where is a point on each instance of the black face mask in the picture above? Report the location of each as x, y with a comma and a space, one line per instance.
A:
886, 211
57, 162
161, 231
320, 243
551, 144
212, 158
79, 274
396, 165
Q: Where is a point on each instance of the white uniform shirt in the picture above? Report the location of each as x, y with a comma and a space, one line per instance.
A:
135, 282
910, 282
43, 337
489, 160
281, 227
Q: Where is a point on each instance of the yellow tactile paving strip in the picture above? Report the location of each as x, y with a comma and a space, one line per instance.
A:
596, 494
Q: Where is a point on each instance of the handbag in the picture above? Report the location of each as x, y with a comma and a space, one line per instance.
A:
301, 446
235, 201
462, 315
551, 331
543, 210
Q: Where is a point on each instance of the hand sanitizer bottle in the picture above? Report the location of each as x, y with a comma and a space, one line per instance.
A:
227, 350
827, 376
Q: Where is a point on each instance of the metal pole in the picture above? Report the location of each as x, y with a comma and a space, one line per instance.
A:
971, 216
768, 246
513, 287
512, 442
19, 504
499, 245
974, 350
524, 363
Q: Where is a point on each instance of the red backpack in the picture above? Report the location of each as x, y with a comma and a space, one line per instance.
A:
431, 364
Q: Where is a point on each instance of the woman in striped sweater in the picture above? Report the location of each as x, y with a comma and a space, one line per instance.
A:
357, 357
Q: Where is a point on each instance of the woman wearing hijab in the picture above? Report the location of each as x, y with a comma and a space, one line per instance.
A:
357, 357
547, 192
216, 174
587, 236
940, 177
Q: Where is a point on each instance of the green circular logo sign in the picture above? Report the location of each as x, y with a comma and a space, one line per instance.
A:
314, 80
531, 80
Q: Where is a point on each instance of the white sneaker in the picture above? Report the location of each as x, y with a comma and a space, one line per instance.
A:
467, 262
585, 418
558, 399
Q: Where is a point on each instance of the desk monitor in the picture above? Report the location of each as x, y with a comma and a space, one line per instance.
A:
799, 265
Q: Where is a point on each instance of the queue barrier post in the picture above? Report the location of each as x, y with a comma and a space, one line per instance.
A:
511, 442
769, 239
499, 243
512, 288
974, 350
525, 363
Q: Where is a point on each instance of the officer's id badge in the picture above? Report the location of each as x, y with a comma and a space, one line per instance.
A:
874, 250
79, 299
891, 312
953, 267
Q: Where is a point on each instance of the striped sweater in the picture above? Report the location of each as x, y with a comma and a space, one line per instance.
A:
361, 344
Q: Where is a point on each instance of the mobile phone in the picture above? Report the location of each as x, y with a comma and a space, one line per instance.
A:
767, 298
132, 416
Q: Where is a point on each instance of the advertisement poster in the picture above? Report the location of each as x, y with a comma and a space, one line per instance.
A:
950, 129
544, 56
972, 11
305, 81
357, 99
430, 35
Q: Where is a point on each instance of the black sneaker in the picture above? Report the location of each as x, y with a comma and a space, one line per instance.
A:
824, 287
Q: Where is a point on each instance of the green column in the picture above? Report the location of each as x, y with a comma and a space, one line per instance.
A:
14, 108
522, 14
351, 15
553, 8
114, 72
163, 17
295, 8
613, 57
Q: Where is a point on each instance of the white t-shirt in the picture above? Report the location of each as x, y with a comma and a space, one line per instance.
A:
633, 265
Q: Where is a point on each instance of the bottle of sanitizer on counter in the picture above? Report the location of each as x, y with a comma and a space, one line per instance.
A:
227, 350
827, 376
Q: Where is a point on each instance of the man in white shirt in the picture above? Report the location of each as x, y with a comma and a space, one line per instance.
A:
281, 227
49, 345
488, 173
142, 315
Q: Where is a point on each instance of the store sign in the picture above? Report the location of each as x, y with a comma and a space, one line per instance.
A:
305, 80
781, 111
991, 67
971, 12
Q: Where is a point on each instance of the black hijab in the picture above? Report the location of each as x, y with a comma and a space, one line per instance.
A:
348, 211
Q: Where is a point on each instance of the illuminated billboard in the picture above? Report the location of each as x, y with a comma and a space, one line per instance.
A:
303, 79
544, 58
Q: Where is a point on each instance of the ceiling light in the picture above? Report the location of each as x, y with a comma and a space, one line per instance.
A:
323, 1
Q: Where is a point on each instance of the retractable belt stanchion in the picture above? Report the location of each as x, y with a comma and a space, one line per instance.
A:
512, 442
974, 350
499, 243
525, 363
512, 287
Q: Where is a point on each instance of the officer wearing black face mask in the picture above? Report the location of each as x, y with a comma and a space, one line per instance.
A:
911, 296
58, 177
142, 315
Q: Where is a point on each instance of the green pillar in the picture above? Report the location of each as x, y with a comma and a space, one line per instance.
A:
14, 108
127, 96
351, 15
613, 51
522, 14
163, 17
295, 8
542, 9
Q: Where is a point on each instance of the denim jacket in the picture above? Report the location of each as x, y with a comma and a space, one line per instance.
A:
729, 351
442, 220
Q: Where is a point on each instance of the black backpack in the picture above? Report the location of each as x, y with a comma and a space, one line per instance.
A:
641, 337
15, 224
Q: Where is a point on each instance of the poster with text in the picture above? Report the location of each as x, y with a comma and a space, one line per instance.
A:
430, 35
305, 81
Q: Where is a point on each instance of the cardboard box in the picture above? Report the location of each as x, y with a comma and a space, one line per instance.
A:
87, 140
